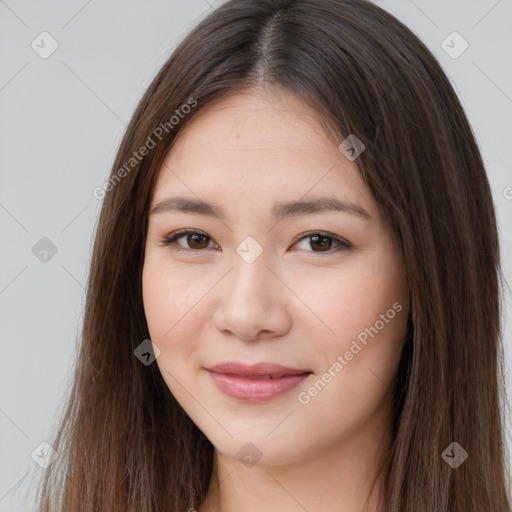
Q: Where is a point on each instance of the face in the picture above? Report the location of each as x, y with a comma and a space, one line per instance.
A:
314, 289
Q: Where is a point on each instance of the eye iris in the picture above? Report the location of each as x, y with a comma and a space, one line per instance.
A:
197, 236
315, 238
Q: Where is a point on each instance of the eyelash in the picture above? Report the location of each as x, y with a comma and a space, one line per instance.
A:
173, 237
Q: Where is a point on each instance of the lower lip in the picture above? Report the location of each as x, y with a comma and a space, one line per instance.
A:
255, 390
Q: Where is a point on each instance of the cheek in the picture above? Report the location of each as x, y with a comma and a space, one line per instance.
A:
169, 311
364, 310
170, 301
168, 307
345, 301
358, 364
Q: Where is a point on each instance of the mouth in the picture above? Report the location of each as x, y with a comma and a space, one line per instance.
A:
257, 370
257, 377
255, 383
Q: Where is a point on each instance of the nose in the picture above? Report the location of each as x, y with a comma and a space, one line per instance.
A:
253, 302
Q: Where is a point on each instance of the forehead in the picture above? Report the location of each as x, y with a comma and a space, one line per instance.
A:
258, 144
257, 118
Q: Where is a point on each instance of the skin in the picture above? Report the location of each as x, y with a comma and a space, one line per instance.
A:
299, 304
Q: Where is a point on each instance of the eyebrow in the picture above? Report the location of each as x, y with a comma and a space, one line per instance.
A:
279, 211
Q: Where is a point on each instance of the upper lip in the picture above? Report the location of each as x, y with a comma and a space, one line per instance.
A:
263, 368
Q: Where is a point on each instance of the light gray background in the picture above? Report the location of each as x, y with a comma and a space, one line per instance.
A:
62, 119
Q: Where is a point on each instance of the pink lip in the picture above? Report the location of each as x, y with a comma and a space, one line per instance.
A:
234, 380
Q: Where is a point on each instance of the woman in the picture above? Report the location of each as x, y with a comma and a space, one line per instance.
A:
226, 366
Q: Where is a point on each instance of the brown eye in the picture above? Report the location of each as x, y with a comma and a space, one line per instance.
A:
195, 240
323, 242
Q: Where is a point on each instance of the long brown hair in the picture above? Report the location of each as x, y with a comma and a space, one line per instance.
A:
124, 444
